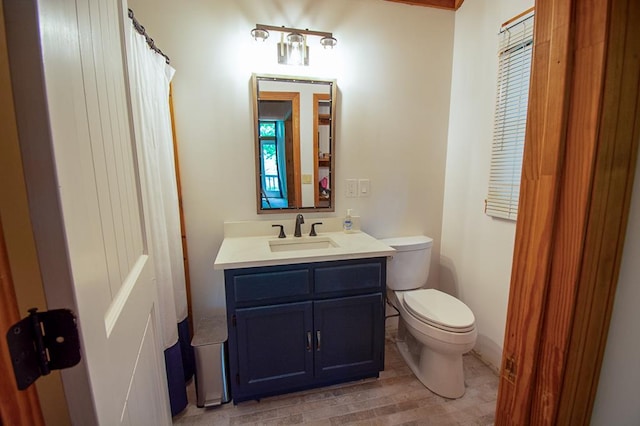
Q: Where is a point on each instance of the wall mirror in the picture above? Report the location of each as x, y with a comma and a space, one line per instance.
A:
294, 124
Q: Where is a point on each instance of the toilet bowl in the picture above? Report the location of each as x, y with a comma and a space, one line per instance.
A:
435, 329
433, 353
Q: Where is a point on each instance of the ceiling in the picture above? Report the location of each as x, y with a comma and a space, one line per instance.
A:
440, 4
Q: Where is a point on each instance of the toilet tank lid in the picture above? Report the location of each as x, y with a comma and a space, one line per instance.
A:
415, 242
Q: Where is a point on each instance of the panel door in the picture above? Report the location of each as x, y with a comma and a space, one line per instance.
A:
84, 186
349, 336
275, 347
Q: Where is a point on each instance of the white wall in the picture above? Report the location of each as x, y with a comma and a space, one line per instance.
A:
393, 70
476, 249
617, 397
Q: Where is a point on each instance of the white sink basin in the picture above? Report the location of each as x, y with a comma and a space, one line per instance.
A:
304, 243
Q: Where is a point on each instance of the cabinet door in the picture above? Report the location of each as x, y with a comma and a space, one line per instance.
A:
275, 348
349, 336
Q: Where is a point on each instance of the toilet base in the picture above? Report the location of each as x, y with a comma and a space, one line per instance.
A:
442, 374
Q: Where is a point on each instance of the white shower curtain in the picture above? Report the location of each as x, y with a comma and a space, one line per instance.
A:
149, 78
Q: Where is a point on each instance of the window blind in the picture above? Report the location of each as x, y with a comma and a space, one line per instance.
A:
512, 98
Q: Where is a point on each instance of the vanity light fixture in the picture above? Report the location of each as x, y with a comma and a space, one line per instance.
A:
328, 42
294, 50
259, 33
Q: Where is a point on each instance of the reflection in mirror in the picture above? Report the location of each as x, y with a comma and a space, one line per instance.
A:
294, 125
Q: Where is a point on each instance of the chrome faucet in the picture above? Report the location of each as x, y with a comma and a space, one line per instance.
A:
299, 221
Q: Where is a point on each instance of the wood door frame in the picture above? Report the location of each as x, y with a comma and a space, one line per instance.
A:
578, 170
294, 98
17, 407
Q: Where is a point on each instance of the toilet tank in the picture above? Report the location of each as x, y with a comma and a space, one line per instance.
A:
409, 267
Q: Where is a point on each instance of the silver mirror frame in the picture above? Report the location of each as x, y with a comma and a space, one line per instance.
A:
256, 78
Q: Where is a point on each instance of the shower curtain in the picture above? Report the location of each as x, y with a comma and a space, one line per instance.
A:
149, 78
282, 161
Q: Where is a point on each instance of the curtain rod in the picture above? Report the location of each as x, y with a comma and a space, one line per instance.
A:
140, 29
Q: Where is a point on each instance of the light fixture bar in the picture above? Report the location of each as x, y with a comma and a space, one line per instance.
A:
293, 30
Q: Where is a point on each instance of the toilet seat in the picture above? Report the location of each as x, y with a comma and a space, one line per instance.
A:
439, 310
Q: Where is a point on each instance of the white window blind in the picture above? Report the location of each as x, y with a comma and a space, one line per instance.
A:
514, 69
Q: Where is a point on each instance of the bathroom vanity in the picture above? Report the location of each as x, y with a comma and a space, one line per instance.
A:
299, 326
304, 317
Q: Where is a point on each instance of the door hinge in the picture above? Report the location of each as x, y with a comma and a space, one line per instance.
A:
42, 342
233, 320
510, 369
237, 378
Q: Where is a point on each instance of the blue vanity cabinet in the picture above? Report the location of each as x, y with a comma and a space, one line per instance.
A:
274, 347
294, 327
349, 336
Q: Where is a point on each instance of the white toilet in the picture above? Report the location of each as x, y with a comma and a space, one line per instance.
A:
434, 329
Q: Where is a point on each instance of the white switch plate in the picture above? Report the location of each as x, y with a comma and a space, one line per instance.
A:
364, 187
352, 188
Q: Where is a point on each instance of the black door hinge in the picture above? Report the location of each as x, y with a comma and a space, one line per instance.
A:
42, 342
234, 322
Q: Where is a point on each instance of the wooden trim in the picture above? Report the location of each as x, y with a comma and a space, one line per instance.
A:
572, 211
183, 231
316, 98
16, 407
438, 4
579, 161
541, 173
614, 168
518, 16
316, 193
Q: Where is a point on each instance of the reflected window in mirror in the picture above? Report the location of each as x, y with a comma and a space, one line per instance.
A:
294, 120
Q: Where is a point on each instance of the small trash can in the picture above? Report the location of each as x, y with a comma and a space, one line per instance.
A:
209, 345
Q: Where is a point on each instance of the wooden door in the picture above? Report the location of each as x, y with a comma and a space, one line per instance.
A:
85, 198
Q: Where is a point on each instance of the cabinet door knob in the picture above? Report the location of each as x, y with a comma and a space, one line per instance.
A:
317, 340
308, 341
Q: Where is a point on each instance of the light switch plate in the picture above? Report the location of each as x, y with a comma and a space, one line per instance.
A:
364, 187
352, 188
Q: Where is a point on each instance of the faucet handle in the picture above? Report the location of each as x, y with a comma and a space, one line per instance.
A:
313, 229
282, 234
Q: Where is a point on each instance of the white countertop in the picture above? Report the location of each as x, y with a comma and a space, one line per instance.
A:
253, 251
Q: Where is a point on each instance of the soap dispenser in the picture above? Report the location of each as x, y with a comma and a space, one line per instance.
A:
347, 225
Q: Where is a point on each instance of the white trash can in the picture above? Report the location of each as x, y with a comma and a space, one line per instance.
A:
209, 345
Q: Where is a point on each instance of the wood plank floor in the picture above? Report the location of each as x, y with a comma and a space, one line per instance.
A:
396, 398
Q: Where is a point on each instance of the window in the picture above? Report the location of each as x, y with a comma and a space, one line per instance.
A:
514, 69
